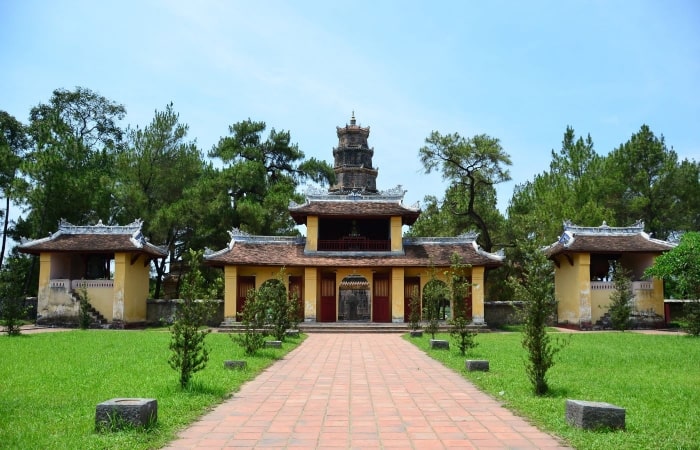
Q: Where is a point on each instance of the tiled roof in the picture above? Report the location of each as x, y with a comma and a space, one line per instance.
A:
359, 208
605, 239
95, 239
291, 253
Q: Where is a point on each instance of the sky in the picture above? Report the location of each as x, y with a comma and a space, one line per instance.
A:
518, 71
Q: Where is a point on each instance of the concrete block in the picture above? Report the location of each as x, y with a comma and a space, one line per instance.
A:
416, 333
474, 365
273, 344
235, 364
120, 412
593, 415
439, 344
292, 333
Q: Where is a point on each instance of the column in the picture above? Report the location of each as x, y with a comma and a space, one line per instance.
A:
478, 295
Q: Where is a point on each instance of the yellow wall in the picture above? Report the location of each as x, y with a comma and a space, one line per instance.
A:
600, 303
130, 288
572, 289
101, 299
396, 235
312, 233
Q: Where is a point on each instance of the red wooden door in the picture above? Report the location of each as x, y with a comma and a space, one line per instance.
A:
295, 289
245, 284
381, 307
328, 301
411, 284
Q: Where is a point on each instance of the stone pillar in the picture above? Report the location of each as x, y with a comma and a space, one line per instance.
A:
121, 261
230, 291
583, 276
478, 295
397, 292
312, 233
310, 293
396, 231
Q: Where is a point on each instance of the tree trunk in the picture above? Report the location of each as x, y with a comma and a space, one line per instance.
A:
4, 229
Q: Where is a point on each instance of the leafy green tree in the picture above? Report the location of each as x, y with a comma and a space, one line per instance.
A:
621, 298
472, 166
158, 172
681, 265
254, 320
567, 191
435, 293
535, 287
277, 305
642, 179
458, 286
14, 142
12, 280
414, 316
70, 169
262, 176
189, 353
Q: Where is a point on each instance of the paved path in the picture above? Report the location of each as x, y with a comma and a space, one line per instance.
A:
364, 391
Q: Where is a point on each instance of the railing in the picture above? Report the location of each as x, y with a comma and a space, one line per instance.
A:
62, 283
86, 284
341, 245
609, 286
59, 283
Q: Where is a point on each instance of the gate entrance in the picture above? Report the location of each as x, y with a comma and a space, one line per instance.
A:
354, 301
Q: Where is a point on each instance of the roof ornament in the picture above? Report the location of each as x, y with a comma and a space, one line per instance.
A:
352, 119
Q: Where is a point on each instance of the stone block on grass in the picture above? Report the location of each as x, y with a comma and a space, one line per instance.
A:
477, 365
439, 344
273, 344
235, 364
292, 333
594, 415
416, 333
119, 413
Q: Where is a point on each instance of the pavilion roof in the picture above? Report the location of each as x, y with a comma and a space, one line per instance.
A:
418, 252
98, 238
606, 239
354, 205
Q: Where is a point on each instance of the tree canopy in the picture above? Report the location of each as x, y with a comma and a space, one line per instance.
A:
262, 175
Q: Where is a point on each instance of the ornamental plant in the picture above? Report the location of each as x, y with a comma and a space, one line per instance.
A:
189, 353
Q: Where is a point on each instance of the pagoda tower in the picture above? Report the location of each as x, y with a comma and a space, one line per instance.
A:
353, 161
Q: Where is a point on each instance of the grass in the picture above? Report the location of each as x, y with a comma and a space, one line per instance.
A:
51, 383
655, 378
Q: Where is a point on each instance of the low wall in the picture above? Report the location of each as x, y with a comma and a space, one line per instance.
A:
498, 314
162, 312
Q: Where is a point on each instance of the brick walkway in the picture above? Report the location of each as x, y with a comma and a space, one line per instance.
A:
364, 391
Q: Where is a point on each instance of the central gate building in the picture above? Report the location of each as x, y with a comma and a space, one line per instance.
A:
354, 264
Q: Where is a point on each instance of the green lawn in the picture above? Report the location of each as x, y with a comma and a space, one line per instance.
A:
50, 385
655, 378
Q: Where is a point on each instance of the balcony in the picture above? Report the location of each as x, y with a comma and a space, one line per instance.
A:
354, 244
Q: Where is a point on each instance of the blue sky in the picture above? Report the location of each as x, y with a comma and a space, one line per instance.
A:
518, 71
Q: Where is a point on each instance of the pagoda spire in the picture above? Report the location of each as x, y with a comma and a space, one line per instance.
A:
354, 171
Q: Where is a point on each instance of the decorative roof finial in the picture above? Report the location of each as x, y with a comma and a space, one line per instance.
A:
352, 119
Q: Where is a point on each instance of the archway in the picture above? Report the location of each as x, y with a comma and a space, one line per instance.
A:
354, 302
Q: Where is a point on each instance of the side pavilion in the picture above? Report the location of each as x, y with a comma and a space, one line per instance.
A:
584, 258
110, 263
353, 265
